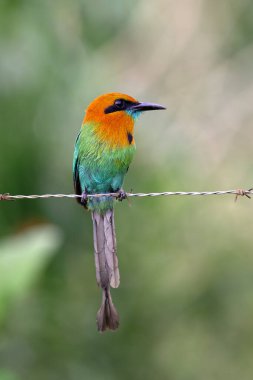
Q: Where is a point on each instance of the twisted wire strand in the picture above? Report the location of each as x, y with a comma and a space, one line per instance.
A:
238, 192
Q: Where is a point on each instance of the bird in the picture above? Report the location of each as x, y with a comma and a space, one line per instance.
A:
104, 149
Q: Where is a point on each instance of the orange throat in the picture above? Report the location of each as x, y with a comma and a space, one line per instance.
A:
116, 131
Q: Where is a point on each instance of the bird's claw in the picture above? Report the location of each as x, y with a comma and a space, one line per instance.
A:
121, 195
84, 198
242, 193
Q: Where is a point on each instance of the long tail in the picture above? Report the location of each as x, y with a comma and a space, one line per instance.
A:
106, 262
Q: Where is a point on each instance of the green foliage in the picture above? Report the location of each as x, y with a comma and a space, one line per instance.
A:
22, 259
7, 375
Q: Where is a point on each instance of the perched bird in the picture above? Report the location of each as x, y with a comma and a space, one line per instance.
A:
104, 149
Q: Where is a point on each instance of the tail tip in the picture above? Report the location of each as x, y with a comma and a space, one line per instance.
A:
107, 315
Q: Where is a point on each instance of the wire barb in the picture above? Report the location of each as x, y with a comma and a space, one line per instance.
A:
4, 197
237, 193
241, 192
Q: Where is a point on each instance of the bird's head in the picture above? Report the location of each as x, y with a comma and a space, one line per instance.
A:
115, 114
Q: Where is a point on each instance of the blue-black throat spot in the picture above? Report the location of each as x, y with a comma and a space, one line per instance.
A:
129, 137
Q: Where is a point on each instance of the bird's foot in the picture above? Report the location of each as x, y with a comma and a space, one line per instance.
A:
121, 195
84, 198
242, 193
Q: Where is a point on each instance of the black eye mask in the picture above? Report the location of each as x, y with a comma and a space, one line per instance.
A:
120, 105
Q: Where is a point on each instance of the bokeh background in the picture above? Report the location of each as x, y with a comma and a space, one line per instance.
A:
186, 294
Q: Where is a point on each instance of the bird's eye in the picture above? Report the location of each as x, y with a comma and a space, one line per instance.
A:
120, 103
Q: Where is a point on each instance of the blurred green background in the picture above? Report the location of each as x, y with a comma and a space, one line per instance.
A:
186, 294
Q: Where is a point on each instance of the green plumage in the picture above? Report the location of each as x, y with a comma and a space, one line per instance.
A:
99, 168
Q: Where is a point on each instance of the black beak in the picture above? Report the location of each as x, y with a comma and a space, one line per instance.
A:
140, 107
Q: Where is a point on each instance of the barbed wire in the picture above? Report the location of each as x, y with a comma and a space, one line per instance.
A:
238, 192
